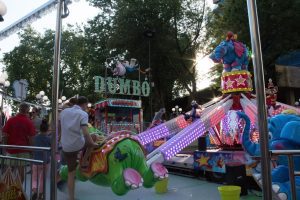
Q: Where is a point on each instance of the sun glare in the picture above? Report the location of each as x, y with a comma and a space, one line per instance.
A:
203, 66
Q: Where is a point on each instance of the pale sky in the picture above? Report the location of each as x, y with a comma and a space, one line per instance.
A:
80, 12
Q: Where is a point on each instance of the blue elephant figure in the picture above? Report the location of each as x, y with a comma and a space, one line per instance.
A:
233, 54
284, 131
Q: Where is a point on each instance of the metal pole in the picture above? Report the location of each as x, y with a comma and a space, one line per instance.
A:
55, 91
140, 97
2, 124
261, 100
105, 85
292, 176
2, 96
150, 81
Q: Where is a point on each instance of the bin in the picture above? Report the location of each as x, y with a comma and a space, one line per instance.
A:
229, 192
161, 186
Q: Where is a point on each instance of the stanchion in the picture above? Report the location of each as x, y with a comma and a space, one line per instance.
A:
261, 100
55, 88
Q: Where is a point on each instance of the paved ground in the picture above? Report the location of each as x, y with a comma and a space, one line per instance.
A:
180, 188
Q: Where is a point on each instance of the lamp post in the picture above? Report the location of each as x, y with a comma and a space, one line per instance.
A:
62, 100
176, 110
42, 100
3, 10
149, 33
297, 103
4, 84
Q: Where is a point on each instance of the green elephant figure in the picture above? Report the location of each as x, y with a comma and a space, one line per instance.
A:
120, 164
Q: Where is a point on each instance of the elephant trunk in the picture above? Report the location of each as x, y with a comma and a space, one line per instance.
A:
252, 148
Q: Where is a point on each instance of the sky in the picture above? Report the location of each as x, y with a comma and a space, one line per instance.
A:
80, 12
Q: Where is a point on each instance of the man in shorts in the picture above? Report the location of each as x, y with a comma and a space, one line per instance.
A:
74, 137
19, 130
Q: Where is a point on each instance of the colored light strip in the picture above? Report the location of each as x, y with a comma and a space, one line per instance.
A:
164, 129
249, 111
181, 122
153, 134
205, 112
194, 131
288, 106
213, 136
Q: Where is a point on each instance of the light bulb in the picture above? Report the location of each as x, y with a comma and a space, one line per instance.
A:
2, 80
3, 8
45, 98
6, 83
5, 76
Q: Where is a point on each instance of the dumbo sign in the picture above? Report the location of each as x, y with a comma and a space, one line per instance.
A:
121, 86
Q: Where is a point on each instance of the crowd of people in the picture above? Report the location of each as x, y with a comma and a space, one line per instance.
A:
29, 129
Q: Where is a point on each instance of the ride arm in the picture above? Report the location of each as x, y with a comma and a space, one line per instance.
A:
190, 134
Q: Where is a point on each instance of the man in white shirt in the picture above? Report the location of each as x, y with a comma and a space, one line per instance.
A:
74, 136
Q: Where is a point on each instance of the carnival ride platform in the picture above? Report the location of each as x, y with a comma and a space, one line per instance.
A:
179, 188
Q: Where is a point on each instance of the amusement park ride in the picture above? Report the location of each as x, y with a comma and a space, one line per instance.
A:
229, 121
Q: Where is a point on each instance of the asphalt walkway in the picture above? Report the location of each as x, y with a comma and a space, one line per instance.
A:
179, 188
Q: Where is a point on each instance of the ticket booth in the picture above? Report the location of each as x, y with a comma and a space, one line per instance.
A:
113, 115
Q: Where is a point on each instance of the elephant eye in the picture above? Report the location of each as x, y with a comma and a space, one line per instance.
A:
270, 136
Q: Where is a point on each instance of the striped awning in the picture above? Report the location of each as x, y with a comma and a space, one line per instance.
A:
119, 103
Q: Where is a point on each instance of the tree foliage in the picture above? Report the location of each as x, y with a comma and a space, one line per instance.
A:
178, 27
178, 34
33, 60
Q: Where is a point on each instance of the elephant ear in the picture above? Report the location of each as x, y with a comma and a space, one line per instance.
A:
239, 48
219, 52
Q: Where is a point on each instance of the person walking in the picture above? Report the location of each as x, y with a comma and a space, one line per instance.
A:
74, 137
19, 130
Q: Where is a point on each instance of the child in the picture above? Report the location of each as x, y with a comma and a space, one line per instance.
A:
40, 140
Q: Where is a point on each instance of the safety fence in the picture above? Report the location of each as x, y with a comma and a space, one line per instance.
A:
22, 176
292, 173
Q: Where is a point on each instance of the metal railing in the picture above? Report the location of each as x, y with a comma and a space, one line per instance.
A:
30, 173
292, 172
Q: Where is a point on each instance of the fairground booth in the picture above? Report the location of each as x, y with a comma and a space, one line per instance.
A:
114, 115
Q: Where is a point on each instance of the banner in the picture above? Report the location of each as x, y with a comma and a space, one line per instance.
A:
121, 86
11, 186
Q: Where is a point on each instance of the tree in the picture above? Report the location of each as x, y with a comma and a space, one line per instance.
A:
177, 26
33, 60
